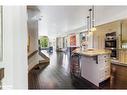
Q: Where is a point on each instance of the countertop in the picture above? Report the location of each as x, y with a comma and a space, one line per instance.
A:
117, 62
91, 52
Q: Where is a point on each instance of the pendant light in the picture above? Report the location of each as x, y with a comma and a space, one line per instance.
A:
88, 23
90, 19
93, 28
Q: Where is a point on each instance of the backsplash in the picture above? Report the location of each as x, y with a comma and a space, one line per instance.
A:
124, 45
122, 55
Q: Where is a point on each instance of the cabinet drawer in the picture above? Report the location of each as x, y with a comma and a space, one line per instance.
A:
104, 60
104, 74
107, 70
101, 79
107, 65
105, 56
103, 64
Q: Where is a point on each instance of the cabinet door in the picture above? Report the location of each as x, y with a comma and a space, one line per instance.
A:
99, 34
124, 31
1, 30
99, 38
89, 70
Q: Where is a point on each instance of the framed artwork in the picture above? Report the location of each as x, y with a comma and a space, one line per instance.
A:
73, 40
1, 33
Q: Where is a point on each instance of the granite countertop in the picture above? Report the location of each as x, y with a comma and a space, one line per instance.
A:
91, 52
117, 62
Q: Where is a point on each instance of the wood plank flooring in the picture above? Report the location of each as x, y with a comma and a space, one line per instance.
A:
56, 75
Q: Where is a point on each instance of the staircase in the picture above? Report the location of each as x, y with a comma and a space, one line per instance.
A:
38, 60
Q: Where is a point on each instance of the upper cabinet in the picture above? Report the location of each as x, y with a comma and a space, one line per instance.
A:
102, 30
124, 31
1, 31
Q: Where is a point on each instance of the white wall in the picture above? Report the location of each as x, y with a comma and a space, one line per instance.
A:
47, 28
15, 48
60, 42
68, 41
42, 27
78, 40
52, 41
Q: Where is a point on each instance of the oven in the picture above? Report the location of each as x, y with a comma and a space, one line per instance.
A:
113, 53
111, 43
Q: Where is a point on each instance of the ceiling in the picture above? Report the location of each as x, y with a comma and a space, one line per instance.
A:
58, 20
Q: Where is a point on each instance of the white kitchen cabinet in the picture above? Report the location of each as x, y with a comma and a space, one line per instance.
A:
124, 31
99, 34
95, 68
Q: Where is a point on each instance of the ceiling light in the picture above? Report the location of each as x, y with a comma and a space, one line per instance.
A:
93, 29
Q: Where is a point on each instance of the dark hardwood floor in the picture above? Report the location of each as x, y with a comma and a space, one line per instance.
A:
53, 76
56, 75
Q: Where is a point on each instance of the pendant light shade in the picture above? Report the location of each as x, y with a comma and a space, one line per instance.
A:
93, 29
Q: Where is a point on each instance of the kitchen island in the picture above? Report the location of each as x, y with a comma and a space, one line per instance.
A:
94, 64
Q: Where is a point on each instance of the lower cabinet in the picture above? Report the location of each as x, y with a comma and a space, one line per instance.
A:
95, 68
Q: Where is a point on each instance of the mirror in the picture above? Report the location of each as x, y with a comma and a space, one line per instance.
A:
1, 30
